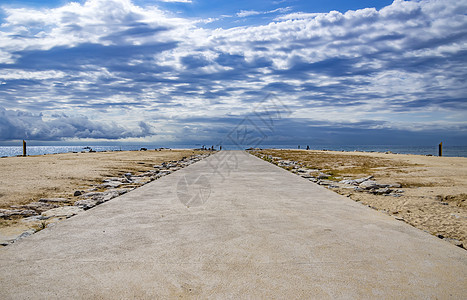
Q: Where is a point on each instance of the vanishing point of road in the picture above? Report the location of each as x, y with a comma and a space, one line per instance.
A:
232, 226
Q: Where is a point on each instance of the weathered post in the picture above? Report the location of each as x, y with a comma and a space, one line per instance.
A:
24, 148
440, 149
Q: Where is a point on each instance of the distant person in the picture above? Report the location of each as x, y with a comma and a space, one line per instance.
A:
307, 147
298, 146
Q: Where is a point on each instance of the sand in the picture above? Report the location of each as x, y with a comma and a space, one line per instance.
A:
27, 179
435, 188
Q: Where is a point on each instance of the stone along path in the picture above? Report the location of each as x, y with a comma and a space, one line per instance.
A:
232, 226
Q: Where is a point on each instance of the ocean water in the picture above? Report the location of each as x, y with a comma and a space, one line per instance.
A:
448, 150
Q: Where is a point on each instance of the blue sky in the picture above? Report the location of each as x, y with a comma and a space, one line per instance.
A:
286, 71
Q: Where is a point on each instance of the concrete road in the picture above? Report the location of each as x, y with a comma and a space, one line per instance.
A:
250, 230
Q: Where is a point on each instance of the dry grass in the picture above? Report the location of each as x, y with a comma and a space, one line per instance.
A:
339, 164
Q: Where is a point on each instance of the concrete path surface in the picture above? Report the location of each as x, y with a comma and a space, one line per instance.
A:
250, 230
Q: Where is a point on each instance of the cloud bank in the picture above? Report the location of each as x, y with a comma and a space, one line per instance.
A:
16, 125
401, 68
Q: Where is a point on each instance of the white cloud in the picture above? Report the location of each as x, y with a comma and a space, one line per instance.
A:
106, 58
247, 13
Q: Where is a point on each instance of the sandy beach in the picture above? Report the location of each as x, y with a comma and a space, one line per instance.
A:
25, 180
428, 192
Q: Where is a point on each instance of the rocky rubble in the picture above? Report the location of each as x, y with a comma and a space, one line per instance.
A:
365, 184
54, 209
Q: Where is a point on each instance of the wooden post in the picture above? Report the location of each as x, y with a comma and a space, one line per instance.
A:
24, 148
440, 149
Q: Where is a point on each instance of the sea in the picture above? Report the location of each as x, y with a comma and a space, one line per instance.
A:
448, 150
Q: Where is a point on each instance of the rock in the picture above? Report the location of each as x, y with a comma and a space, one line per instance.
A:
382, 191
286, 163
86, 203
93, 195
55, 200
111, 184
123, 191
346, 186
360, 180
6, 213
371, 184
25, 234
65, 211
327, 182
323, 175
137, 180
39, 206
149, 173
34, 218
77, 193
117, 179
109, 195
356, 181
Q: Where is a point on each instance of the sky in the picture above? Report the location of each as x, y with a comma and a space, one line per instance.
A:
233, 72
